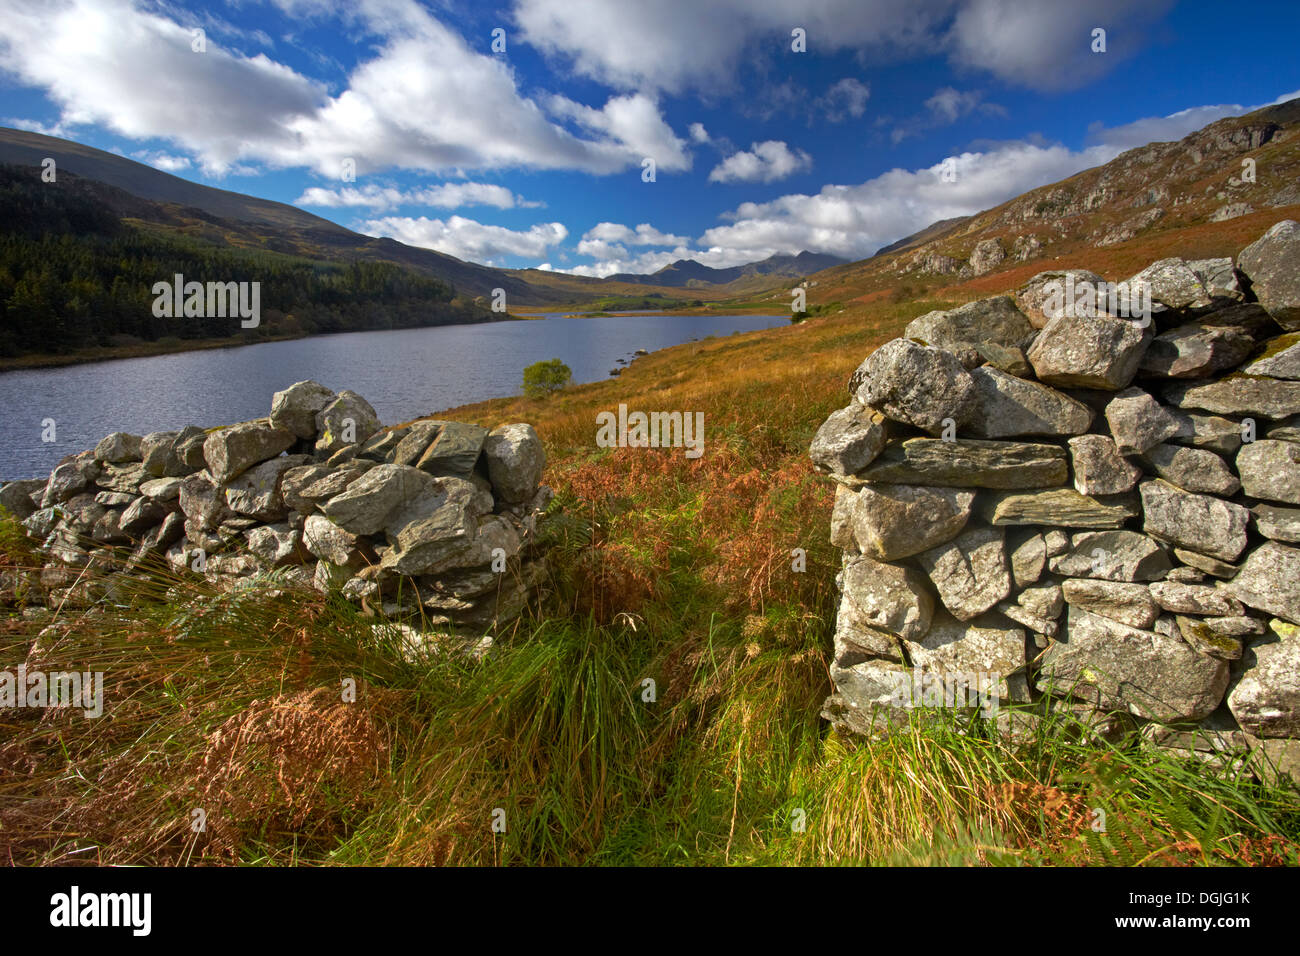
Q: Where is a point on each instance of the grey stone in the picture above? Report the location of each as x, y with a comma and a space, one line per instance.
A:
256, 492
1043, 297
277, 545
298, 479
369, 502
1266, 698
1099, 469
329, 542
1270, 469
969, 463
1203, 562
295, 409
846, 442
68, 479
1280, 524
125, 478
1028, 558
1269, 581
1202, 523
970, 571
1219, 435
1088, 352
516, 460
1113, 556
1009, 407
919, 386
118, 447
1173, 284
1138, 422
16, 497
1063, 507
231, 451
957, 647
1056, 541
987, 255
380, 446
1238, 394
415, 441
996, 321
436, 531
1130, 604
1195, 599
1281, 358
347, 420
890, 522
1197, 350
1146, 673
857, 639
1272, 263
1209, 640
1219, 278
1046, 601
1193, 469
203, 502
887, 597
141, 515
455, 451
161, 489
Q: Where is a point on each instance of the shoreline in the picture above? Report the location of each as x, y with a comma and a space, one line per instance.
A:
153, 349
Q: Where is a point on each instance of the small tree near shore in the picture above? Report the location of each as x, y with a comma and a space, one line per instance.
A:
545, 378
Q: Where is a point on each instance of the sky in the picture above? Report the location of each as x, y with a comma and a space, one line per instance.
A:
604, 136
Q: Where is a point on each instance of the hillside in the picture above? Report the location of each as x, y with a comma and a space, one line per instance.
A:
1186, 198
177, 206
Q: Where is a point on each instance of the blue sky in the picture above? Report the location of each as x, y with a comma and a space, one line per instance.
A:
535, 155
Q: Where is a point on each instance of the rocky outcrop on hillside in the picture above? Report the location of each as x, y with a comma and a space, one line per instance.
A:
1200, 178
1066, 503
435, 520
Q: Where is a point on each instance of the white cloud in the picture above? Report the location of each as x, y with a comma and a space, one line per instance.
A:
944, 108
762, 162
445, 196
675, 45
644, 235
846, 98
468, 239
164, 161
698, 133
130, 69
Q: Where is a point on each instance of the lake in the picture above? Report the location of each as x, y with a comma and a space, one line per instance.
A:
404, 374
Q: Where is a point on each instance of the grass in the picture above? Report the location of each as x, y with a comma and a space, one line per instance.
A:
662, 706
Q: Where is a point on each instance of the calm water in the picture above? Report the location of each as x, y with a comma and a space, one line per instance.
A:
403, 374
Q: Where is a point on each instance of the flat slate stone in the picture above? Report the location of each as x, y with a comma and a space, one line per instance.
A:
969, 463
1238, 394
1062, 507
1281, 358
1121, 555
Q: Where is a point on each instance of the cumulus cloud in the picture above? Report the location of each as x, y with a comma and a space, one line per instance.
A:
763, 162
122, 65
643, 235
444, 196
675, 45
468, 239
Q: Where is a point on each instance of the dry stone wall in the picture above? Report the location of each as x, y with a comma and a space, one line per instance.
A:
435, 520
1064, 504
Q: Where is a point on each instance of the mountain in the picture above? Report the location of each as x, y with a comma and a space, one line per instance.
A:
228, 218
687, 273
1206, 195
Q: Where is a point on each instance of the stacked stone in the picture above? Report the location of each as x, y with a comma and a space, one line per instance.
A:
1099, 511
435, 519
